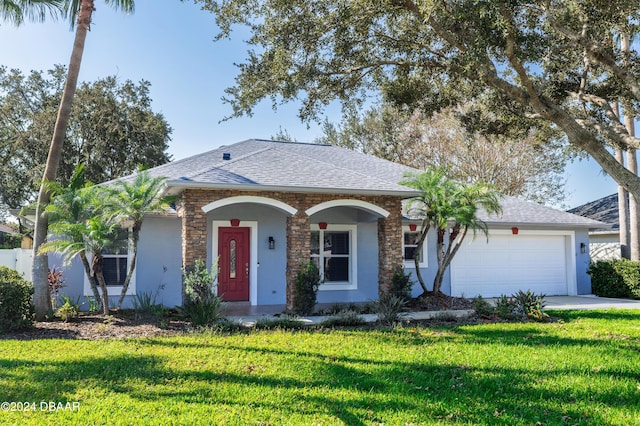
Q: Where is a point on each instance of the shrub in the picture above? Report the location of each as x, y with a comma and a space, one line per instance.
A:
401, 283
482, 307
56, 282
307, 283
16, 309
391, 309
505, 307
529, 305
284, 323
69, 309
606, 281
347, 318
203, 307
629, 271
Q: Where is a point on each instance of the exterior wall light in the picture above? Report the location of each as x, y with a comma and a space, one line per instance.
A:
583, 248
272, 243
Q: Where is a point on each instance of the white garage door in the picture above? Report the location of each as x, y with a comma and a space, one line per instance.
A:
508, 263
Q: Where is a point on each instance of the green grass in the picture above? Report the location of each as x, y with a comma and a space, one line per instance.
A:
584, 370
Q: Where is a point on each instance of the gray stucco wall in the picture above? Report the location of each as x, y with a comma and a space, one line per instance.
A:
582, 262
158, 268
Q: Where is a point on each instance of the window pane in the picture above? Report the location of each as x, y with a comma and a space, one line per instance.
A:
336, 269
315, 242
336, 242
411, 238
119, 246
115, 270
409, 253
232, 259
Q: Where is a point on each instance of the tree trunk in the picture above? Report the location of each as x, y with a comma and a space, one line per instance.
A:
92, 279
623, 213
424, 230
134, 235
41, 299
632, 165
437, 281
97, 267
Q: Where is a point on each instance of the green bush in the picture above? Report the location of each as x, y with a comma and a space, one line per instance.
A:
203, 306
285, 322
615, 278
505, 306
529, 305
307, 283
69, 309
16, 309
482, 307
401, 283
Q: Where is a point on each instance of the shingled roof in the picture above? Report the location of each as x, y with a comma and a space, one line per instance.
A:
604, 209
516, 212
286, 166
266, 165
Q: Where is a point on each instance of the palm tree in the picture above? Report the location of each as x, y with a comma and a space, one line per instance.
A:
14, 11
451, 209
78, 229
84, 10
128, 202
70, 207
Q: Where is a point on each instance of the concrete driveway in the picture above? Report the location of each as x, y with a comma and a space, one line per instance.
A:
589, 302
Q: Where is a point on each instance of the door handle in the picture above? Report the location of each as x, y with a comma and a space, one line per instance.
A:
246, 269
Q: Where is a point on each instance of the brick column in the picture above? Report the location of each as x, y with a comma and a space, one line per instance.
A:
194, 231
298, 250
389, 246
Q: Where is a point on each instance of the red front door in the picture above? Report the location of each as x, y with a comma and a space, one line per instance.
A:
233, 263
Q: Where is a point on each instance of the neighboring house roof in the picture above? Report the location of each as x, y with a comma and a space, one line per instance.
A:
287, 166
516, 212
604, 209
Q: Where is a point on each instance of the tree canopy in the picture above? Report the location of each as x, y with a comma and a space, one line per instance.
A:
112, 131
529, 165
535, 61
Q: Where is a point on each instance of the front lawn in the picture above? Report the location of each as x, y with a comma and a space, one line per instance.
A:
583, 370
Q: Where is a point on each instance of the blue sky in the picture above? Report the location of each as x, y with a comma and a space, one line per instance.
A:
170, 44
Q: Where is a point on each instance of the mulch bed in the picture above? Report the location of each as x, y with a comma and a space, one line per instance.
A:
128, 324
120, 325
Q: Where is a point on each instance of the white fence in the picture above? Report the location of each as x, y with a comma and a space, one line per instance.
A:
19, 259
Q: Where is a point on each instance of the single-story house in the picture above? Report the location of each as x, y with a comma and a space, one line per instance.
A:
261, 209
604, 243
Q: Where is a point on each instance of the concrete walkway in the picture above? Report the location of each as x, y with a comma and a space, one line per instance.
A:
552, 302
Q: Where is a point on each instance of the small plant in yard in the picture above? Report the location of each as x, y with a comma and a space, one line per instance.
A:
16, 310
145, 303
307, 284
68, 310
347, 318
391, 309
285, 322
529, 305
203, 306
56, 282
505, 307
94, 306
482, 307
401, 283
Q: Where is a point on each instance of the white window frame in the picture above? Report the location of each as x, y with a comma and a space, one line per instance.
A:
409, 263
116, 289
352, 284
